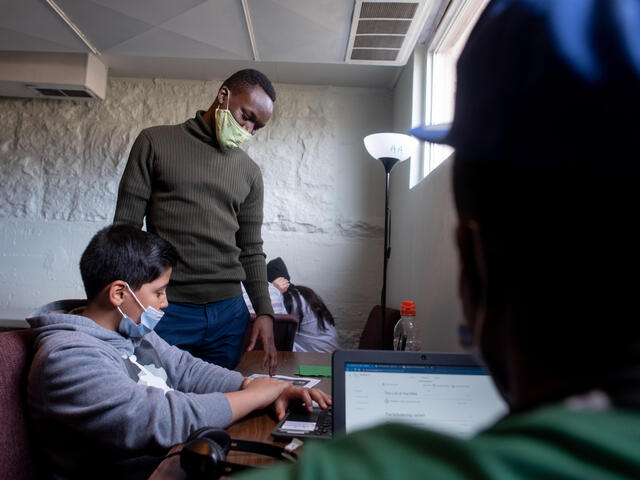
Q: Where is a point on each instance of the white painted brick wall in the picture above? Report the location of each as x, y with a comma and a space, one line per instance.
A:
62, 161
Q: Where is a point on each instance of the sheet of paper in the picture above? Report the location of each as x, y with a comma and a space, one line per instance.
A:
297, 381
298, 426
314, 370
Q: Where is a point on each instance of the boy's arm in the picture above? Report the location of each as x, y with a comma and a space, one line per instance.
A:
190, 374
136, 183
244, 395
80, 384
88, 388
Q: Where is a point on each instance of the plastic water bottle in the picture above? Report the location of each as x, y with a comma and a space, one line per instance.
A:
406, 333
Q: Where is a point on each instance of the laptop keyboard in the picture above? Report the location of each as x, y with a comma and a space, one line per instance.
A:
323, 420
324, 423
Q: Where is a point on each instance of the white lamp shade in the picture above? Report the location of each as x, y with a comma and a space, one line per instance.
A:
390, 145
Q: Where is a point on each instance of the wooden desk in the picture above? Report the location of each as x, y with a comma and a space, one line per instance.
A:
258, 425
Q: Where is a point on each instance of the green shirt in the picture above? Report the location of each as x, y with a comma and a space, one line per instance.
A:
204, 200
551, 442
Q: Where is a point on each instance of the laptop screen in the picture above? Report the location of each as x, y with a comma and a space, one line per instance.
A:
451, 393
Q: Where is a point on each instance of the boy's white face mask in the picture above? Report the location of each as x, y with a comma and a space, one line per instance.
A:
228, 131
148, 320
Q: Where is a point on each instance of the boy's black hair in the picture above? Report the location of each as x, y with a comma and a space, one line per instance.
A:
124, 252
250, 78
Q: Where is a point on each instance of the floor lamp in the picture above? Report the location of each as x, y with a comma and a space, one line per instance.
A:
390, 149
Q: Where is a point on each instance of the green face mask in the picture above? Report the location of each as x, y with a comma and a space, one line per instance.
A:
229, 132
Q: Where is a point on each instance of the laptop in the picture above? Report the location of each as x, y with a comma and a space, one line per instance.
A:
448, 392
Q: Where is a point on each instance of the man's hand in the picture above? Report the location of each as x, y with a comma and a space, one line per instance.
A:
263, 326
303, 394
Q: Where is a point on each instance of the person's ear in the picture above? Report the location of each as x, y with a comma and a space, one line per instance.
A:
116, 292
223, 96
473, 273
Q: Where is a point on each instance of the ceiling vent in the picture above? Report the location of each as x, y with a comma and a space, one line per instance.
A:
65, 76
385, 32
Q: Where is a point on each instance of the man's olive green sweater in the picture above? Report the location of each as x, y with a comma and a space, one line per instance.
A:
204, 200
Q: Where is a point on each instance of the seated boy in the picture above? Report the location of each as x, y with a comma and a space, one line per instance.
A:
108, 396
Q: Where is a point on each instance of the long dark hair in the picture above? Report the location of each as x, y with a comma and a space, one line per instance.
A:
315, 303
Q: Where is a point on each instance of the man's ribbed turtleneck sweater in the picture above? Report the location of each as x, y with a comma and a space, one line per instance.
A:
204, 200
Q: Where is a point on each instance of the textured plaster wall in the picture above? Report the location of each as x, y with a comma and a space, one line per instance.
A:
61, 163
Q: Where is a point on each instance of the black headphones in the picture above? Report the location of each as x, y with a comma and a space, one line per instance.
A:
204, 454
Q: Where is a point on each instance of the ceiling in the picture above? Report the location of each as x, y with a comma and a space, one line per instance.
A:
292, 41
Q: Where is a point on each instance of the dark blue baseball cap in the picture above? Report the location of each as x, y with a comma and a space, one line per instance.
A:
548, 82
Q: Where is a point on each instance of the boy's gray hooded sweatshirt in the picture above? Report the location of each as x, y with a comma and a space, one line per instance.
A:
90, 398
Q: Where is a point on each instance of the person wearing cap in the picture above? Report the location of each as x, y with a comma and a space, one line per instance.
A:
546, 133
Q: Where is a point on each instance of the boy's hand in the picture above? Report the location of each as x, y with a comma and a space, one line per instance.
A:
302, 394
264, 391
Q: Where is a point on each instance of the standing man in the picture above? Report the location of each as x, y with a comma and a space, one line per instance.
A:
198, 190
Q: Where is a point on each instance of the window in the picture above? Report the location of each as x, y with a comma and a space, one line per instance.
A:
440, 72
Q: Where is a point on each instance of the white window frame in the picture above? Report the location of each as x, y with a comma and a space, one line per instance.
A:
437, 107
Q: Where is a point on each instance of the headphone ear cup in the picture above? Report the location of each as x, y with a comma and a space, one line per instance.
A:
203, 458
204, 454
219, 436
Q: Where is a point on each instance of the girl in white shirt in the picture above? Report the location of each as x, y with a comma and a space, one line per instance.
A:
316, 330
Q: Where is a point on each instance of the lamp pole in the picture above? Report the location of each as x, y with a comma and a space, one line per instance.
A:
389, 148
388, 163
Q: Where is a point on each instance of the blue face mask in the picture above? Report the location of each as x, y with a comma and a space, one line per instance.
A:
148, 320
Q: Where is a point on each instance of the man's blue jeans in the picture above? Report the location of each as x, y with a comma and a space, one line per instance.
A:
214, 331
